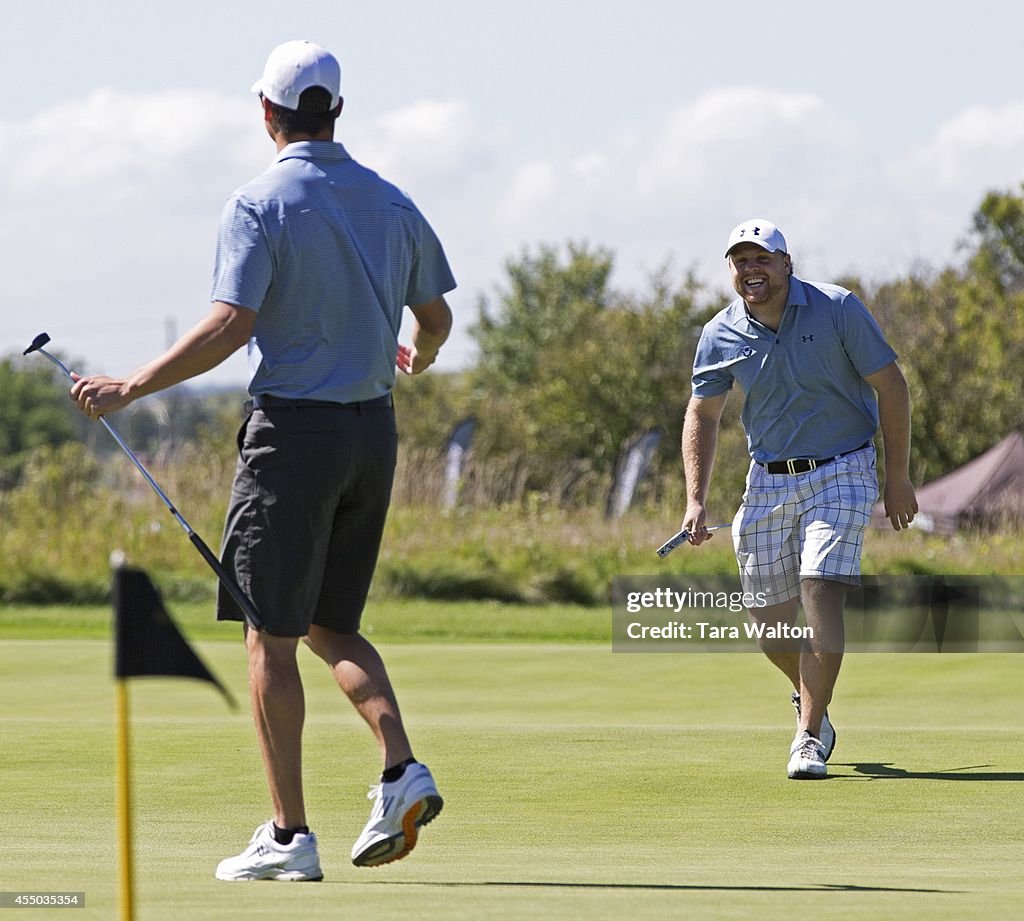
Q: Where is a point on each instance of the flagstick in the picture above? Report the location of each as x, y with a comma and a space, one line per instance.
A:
124, 805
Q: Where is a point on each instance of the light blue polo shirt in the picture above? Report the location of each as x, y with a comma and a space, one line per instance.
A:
328, 254
804, 384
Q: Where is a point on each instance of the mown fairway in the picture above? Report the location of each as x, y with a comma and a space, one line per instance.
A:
579, 784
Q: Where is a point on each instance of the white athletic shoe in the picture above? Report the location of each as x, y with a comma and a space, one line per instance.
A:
399, 810
828, 732
806, 758
264, 858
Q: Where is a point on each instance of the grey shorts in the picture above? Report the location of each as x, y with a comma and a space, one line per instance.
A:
308, 505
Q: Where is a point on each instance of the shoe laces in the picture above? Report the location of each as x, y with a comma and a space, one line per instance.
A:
375, 791
811, 747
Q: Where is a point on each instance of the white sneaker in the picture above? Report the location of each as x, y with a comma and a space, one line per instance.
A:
264, 858
806, 758
828, 732
399, 810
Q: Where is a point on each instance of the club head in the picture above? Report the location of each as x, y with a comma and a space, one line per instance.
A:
680, 538
37, 343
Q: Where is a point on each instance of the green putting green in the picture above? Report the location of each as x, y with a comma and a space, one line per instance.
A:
578, 784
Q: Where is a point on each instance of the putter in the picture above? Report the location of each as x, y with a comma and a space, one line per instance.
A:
681, 538
248, 608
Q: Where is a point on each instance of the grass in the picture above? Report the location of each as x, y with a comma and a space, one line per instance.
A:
391, 620
578, 783
63, 524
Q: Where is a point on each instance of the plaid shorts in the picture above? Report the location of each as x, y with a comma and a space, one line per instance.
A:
808, 525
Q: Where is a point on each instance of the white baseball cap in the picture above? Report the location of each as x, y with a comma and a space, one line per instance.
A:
764, 233
296, 66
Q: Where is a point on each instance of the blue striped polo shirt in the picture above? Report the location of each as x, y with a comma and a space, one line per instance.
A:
328, 254
804, 384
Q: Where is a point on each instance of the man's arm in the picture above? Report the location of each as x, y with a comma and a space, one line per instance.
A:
432, 324
700, 440
894, 418
220, 333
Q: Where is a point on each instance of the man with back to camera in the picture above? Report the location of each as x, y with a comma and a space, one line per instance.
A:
818, 378
315, 260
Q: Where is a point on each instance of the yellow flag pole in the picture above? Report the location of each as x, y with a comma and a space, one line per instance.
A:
124, 805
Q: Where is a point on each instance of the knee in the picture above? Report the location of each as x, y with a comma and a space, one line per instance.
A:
274, 650
330, 645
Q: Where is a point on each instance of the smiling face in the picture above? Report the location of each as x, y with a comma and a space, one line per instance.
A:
759, 277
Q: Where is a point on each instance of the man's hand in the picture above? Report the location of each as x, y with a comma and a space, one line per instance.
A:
411, 361
900, 502
695, 521
430, 332
98, 395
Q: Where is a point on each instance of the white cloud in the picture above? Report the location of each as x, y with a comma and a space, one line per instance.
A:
846, 198
429, 140
127, 141
111, 201
678, 186
941, 182
979, 147
111, 204
536, 185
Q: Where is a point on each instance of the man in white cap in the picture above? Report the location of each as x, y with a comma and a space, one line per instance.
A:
316, 260
818, 379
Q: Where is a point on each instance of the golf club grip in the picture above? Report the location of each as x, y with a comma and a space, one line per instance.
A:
248, 608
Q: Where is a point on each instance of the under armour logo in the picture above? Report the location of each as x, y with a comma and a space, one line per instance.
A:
747, 352
756, 231
807, 338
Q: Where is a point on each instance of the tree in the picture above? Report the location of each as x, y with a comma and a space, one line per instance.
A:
570, 368
959, 332
33, 413
999, 230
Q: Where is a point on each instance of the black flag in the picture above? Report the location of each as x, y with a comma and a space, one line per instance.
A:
147, 641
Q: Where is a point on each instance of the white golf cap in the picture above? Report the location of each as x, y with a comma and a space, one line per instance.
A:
763, 233
296, 66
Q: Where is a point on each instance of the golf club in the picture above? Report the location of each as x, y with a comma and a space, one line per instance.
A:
681, 538
248, 608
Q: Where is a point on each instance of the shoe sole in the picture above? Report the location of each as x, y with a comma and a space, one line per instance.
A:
286, 876
807, 775
389, 850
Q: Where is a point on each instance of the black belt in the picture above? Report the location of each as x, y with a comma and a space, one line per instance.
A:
805, 464
269, 401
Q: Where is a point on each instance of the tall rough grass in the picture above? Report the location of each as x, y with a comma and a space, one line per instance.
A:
59, 526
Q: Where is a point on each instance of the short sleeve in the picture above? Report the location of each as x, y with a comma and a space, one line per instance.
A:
711, 378
863, 338
430, 276
244, 266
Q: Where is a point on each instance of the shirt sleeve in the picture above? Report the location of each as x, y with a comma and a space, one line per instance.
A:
711, 377
863, 338
430, 275
244, 266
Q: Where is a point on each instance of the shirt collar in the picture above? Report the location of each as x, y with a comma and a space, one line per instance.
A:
313, 150
797, 293
796, 297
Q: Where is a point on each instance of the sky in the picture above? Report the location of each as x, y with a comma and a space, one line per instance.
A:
869, 132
